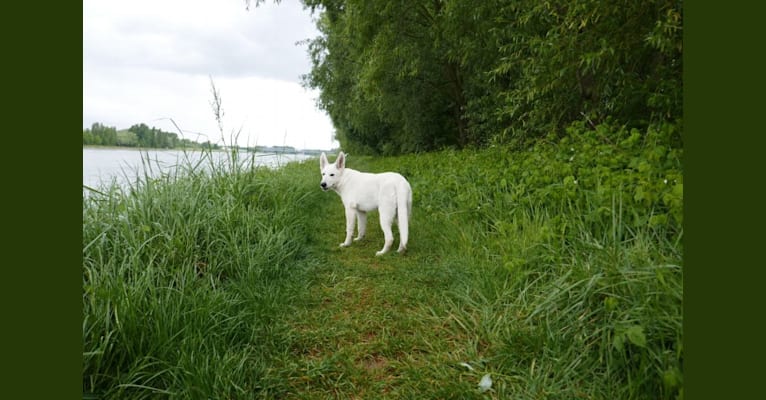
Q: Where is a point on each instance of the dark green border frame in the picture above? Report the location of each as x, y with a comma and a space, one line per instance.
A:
42, 265
723, 102
42, 259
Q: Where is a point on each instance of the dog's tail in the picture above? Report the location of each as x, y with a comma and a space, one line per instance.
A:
404, 212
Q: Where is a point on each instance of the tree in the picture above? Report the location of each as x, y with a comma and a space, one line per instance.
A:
402, 76
99, 134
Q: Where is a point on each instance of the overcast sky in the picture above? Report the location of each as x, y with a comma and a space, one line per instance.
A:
148, 60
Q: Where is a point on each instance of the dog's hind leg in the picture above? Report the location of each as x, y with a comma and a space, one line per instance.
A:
361, 218
404, 212
386, 220
404, 232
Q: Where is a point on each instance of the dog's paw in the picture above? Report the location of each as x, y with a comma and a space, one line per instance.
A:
358, 238
380, 253
344, 244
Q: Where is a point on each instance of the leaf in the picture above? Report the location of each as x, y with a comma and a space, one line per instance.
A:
618, 342
678, 190
636, 335
672, 378
659, 219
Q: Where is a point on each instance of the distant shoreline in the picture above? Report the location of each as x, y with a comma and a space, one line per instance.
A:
94, 146
242, 149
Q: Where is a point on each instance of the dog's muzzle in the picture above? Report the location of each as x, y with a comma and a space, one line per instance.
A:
323, 185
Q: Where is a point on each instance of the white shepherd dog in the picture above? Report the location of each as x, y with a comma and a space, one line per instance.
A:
388, 192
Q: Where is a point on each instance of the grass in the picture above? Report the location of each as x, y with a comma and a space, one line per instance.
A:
183, 277
231, 284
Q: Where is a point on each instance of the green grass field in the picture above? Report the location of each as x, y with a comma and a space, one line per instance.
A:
557, 270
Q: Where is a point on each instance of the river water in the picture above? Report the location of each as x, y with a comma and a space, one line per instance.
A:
102, 166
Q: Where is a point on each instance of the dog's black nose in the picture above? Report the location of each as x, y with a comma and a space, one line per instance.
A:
323, 185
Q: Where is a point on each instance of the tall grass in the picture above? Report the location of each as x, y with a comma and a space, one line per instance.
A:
575, 287
581, 316
185, 275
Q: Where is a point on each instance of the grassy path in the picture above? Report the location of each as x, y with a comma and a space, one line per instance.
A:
374, 327
558, 292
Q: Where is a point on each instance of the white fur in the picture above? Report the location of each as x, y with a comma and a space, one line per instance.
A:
361, 192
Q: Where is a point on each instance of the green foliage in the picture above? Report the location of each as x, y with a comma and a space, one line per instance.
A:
590, 60
127, 139
156, 138
98, 134
575, 246
553, 265
587, 169
412, 76
139, 135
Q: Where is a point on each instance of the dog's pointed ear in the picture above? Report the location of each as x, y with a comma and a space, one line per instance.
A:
340, 162
323, 161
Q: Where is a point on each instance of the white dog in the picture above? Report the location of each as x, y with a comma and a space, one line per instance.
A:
388, 192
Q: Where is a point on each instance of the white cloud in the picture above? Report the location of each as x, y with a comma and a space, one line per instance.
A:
144, 61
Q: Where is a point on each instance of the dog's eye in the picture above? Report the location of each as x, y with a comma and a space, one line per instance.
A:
332, 174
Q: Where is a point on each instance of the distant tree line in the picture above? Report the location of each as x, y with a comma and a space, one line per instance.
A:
139, 135
417, 75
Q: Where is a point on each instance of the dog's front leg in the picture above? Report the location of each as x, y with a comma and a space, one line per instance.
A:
350, 219
361, 217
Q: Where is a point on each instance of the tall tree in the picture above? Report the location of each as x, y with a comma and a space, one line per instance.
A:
412, 75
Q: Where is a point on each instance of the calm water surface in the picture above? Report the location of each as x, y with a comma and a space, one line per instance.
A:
102, 166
